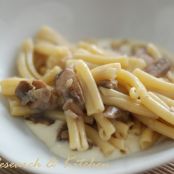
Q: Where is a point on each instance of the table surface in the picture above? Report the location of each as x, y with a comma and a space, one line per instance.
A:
164, 169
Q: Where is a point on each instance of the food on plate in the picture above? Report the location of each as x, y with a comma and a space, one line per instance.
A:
95, 98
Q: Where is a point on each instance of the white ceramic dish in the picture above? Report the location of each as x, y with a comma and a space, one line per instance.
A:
143, 20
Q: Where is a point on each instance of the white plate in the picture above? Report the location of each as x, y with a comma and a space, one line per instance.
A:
143, 20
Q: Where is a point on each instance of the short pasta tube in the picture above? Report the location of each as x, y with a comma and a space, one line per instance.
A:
106, 126
48, 34
121, 129
28, 48
118, 143
49, 77
118, 99
105, 146
82, 134
147, 138
93, 101
157, 126
106, 72
155, 84
74, 138
18, 110
125, 77
8, 86
101, 59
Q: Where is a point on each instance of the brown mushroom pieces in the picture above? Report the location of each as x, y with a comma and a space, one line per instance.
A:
63, 133
111, 112
116, 113
159, 68
110, 84
68, 86
22, 90
40, 99
44, 99
74, 107
40, 118
38, 84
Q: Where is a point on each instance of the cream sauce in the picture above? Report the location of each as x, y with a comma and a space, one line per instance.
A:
48, 134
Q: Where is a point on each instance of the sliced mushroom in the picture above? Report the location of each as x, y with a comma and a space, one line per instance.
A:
40, 118
63, 133
22, 90
110, 84
159, 68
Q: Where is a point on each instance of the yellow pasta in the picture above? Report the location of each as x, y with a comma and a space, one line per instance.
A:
92, 134
56, 115
50, 76
28, 48
153, 51
92, 96
118, 143
106, 126
136, 128
82, 134
135, 63
101, 59
18, 110
121, 128
48, 34
92, 48
147, 138
106, 72
155, 84
158, 109
126, 77
156, 98
8, 86
118, 99
158, 126
167, 100
49, 49
74, 138
22, 66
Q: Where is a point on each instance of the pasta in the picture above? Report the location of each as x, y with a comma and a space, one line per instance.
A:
18, 110
106, 126
128, 78
91, 48
22, 66
28, 48
48, 34
155, 84
82, 134
158, 126
93, 100
100, 60
108, 95
49, 49
158, 109
136, 63
167, 100
106, 147
49, 77
153, 51
109, 71
147, 138
121, 129
74, 139
118, 143
111, 97
8, 86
